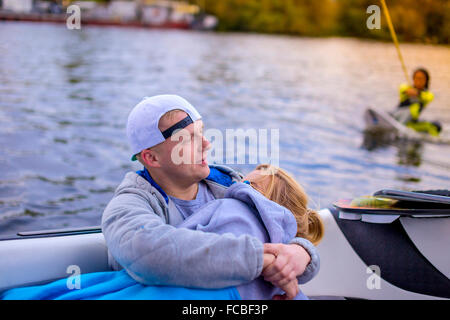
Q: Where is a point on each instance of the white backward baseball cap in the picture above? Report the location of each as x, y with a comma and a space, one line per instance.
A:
143, 120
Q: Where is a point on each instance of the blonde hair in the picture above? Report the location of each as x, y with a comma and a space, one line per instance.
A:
284, 190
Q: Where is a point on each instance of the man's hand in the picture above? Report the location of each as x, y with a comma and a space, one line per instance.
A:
290, 262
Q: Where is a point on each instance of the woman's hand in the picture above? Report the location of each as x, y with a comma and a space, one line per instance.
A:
268, 260
291, 261
291, 291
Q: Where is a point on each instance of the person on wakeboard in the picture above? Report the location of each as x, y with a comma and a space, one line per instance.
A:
413, 100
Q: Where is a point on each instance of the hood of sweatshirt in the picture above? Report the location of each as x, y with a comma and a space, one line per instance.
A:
279, 222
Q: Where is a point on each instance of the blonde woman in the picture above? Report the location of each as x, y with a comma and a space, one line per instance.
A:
279, 186
270, 205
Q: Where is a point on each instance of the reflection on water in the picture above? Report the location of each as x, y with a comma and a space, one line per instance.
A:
409, 152
376, 138
65, 96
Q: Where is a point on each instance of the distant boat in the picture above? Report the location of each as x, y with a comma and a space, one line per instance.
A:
160, 14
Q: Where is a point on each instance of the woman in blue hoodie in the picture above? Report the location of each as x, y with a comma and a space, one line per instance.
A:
269, 204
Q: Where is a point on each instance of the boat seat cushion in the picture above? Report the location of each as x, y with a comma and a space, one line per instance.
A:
27, 262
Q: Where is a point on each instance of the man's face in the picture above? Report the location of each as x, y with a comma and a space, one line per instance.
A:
183, 155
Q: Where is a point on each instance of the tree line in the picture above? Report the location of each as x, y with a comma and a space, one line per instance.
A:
414, 20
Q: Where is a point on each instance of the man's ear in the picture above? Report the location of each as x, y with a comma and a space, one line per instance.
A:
150, 158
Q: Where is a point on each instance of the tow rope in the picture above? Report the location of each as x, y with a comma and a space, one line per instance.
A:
394, 37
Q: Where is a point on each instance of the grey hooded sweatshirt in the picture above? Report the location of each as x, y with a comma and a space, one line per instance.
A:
139, 226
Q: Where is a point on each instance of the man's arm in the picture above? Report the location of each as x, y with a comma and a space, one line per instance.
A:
155, 253
312, 266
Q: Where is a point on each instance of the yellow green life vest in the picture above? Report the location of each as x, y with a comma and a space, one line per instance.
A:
415, 104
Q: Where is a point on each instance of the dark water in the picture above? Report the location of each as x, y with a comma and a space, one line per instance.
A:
65, 96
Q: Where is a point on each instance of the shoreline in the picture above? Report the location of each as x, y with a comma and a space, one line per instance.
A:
62, 18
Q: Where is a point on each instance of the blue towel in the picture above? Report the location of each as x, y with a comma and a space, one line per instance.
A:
115, 285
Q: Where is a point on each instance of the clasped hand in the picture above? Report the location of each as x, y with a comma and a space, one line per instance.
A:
282, 265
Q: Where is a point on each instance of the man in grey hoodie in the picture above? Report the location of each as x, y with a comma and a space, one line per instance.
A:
139, 223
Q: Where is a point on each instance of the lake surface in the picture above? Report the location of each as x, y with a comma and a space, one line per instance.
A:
65, 96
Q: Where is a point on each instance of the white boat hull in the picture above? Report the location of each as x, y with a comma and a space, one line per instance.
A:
343, 273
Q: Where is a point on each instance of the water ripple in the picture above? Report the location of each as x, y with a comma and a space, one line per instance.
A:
65, 97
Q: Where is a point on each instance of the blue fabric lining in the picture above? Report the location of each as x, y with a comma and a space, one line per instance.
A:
219, 177
146, 175
115, 285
